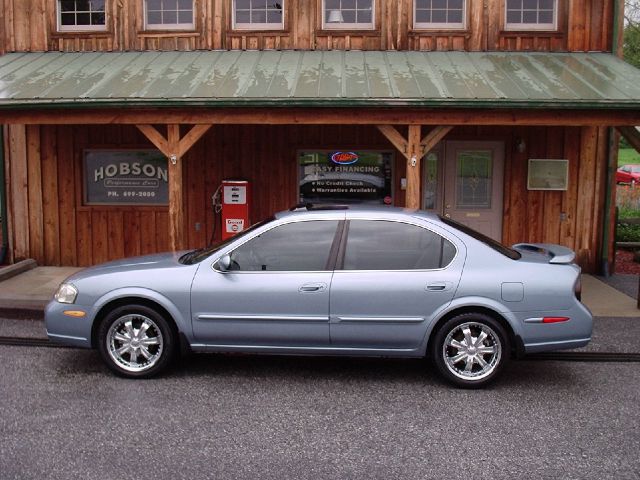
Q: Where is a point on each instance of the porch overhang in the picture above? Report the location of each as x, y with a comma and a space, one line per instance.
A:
316, 87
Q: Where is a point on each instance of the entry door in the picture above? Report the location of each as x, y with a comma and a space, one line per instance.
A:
473, 185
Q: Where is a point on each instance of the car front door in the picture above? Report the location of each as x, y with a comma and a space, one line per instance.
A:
393, 277
274, 294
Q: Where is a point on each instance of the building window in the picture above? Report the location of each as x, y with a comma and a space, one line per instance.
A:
439, 14
348, 14
531, 14
81, 15
169, 14
258, 14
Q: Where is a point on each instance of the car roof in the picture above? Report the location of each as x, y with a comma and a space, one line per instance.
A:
355, 211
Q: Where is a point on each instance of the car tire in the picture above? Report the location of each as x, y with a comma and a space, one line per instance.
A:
136, 341
465, 359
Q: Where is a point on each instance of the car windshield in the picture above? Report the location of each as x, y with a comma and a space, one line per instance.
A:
200, 254
490, 242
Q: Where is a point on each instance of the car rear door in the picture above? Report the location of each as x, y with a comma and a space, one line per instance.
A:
276, 294
391, 279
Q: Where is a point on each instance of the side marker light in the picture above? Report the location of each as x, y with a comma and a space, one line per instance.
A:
555, 319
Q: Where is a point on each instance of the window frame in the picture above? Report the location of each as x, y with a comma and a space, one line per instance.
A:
325, 26
528, 27
258, 26
172, 27
330, 264
442, 26
80, 28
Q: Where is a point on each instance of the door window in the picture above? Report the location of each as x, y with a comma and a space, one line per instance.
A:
385, 245
299, 246
474, 179
430, 184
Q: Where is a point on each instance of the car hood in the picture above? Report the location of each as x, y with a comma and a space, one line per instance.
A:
146, 262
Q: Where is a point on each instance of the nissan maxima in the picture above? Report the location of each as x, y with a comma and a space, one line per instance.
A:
332, 280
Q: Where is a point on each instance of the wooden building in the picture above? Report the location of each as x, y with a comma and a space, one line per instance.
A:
503, 114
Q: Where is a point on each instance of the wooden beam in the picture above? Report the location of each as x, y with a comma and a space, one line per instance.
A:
632, 135
322, 116
192, 137
433, 138
156, 138
396, 139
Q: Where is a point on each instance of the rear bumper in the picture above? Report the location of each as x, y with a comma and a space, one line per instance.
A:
544, 337
561, 345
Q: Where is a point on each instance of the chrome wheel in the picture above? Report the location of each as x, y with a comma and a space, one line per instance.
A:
134, 342
472, 351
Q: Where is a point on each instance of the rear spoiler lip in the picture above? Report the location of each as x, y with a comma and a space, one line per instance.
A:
559, 254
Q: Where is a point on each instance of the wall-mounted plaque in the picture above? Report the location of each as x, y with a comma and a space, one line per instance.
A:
548, 174
125, 177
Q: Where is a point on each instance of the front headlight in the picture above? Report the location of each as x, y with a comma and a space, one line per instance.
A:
66, 293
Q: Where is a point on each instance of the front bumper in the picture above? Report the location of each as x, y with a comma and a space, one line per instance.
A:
67, 330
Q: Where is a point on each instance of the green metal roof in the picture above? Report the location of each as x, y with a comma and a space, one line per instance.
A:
318, 78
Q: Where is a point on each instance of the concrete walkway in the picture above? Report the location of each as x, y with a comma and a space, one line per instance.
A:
605, 301
30, 291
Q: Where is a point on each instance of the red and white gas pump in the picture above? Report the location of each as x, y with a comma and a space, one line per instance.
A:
235, 207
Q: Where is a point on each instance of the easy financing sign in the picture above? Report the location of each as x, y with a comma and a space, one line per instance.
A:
125, 177
346, 177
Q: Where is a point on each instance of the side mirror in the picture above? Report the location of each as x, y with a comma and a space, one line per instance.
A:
224, 263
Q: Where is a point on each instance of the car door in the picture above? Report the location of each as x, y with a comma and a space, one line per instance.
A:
393, 277
276, 292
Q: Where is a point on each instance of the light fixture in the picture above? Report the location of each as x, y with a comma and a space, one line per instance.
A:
335, 16
520, 145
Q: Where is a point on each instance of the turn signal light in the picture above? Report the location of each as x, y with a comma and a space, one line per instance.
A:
74, 313
554, 319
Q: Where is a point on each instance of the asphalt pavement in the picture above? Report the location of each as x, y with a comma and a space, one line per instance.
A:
64, 415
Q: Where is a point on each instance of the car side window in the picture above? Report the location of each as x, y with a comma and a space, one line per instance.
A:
386, 245
298, 246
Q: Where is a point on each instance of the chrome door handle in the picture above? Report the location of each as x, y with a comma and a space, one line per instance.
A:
438, 286
312, 287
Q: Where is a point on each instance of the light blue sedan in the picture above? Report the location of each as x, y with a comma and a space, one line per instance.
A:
331, 280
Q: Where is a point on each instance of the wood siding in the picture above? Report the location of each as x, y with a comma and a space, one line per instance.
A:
30, 25
51, 225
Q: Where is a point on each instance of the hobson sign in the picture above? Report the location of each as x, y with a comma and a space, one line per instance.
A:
125, 177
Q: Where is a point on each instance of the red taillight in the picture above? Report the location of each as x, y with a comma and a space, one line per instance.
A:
554, 319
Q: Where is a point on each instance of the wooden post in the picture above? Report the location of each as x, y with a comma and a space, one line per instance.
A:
174, 149
413, 149
176, 203
414, 155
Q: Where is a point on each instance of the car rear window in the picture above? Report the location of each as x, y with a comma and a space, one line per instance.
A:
490, 242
